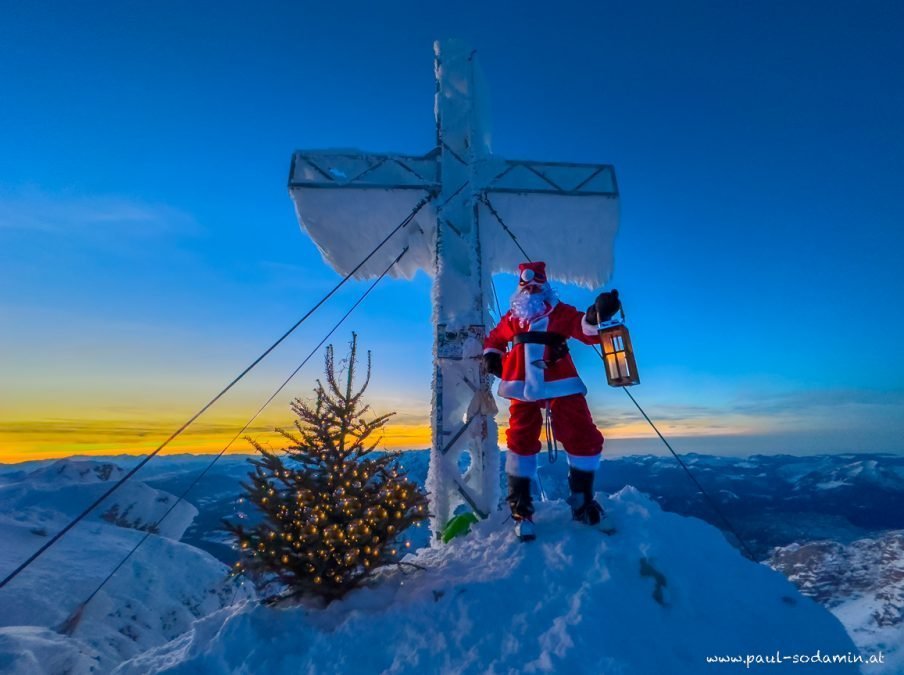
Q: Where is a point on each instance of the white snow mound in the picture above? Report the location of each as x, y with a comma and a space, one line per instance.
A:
659, 596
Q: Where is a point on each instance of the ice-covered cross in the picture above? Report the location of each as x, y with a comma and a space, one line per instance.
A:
563, 213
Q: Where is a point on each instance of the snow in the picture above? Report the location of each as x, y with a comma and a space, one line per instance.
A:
30, 649
793, 472
464, 431
154, 598
858, 614
48, 497
830, 484
659, 596
575, 236
828, 473
347, 224
862, 583
572, 601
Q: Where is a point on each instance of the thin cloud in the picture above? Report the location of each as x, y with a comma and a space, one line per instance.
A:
819, 400
97, 216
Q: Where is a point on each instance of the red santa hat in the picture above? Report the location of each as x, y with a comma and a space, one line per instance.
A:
532, 273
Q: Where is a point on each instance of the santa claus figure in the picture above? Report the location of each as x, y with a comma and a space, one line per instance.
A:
528, 350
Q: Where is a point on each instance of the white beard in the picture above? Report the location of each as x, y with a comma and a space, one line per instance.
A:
526, 306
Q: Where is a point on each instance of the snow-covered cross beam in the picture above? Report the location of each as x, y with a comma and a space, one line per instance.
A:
348, 201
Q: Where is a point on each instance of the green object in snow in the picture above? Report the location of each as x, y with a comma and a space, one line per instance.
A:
460, 524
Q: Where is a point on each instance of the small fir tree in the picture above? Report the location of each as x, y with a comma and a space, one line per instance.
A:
332, 513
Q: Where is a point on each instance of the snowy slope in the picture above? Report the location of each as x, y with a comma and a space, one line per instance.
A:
862, 583
154, 598
48, 497
660, 596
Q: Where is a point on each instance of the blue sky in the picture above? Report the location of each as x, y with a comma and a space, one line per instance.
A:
149, 249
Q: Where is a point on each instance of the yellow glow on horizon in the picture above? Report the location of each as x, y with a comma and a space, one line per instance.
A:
22, 441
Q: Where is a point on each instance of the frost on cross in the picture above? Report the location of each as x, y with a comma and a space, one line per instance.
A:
349, 201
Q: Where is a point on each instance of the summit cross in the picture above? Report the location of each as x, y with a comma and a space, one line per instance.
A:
482, 215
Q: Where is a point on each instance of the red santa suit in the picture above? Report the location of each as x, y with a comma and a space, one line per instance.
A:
531, 386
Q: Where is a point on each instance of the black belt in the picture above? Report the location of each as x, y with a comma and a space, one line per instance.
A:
539, 337
556, 341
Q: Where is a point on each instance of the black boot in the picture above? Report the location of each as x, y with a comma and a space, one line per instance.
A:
584, 508
521, 503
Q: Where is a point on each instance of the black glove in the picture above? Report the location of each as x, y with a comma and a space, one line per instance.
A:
604, 308
493, 363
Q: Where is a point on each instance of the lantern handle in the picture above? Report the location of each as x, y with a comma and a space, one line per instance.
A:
613, 321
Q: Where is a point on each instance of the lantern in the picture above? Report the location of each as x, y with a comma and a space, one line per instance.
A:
618, 355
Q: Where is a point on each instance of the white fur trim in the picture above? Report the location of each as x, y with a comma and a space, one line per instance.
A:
589, 329
534, 376
511, 389
583, 462
522, 466
554, 389
490, 350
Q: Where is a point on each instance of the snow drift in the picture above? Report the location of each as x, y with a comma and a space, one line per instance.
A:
661, 595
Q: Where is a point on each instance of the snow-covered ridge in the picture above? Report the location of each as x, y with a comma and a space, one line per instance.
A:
48, 497
154, 598
861, 582
76, 471
660, 595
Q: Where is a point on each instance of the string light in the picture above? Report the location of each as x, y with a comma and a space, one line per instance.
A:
339, 514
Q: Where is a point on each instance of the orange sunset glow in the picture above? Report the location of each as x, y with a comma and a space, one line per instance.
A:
56, 438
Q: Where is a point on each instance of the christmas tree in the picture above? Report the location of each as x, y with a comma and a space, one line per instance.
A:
332, 511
